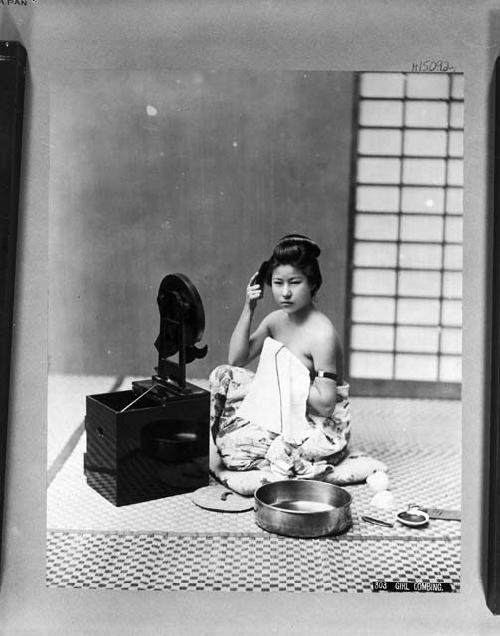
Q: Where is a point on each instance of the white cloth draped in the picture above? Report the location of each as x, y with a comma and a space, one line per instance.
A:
277, 397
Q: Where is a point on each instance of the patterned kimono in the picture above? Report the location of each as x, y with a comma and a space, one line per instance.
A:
263, 421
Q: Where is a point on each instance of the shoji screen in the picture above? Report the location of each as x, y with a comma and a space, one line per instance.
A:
406, 267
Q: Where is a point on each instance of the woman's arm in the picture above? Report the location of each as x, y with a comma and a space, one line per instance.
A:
244, 346
323, 391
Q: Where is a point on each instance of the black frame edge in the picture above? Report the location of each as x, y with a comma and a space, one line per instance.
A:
493, 574
13, 66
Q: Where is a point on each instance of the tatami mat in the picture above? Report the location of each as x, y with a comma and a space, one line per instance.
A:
66, 407
238, 564
431, 478
173, 544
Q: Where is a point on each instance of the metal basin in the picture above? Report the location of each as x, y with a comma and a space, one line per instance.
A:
303, 508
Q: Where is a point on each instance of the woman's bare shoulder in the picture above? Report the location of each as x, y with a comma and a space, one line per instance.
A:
323, 333
323, 326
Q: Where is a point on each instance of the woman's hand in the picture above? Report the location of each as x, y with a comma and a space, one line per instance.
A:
253, 293
243, 345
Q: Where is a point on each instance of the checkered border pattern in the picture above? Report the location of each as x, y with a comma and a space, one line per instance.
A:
243, 564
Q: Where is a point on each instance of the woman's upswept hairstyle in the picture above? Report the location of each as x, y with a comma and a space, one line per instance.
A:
300, 252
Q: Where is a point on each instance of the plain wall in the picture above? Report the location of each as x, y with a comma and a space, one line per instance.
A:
198, 172
353, 35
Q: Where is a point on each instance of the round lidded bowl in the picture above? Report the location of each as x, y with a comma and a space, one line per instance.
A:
302, 508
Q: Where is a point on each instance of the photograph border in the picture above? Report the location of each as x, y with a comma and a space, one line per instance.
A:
13, 60
493, 584
366, 35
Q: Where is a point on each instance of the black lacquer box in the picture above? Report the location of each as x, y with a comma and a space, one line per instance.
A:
152, 441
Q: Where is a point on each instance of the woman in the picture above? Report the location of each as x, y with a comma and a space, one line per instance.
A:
293, 416
294, 276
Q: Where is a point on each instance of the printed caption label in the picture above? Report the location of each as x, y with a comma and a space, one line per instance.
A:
410, 586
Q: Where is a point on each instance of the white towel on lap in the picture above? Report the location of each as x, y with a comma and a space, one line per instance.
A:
277, 397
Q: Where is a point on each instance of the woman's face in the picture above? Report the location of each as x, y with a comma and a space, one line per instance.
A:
291, 289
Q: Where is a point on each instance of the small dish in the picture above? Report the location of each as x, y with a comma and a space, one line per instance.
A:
413, 517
